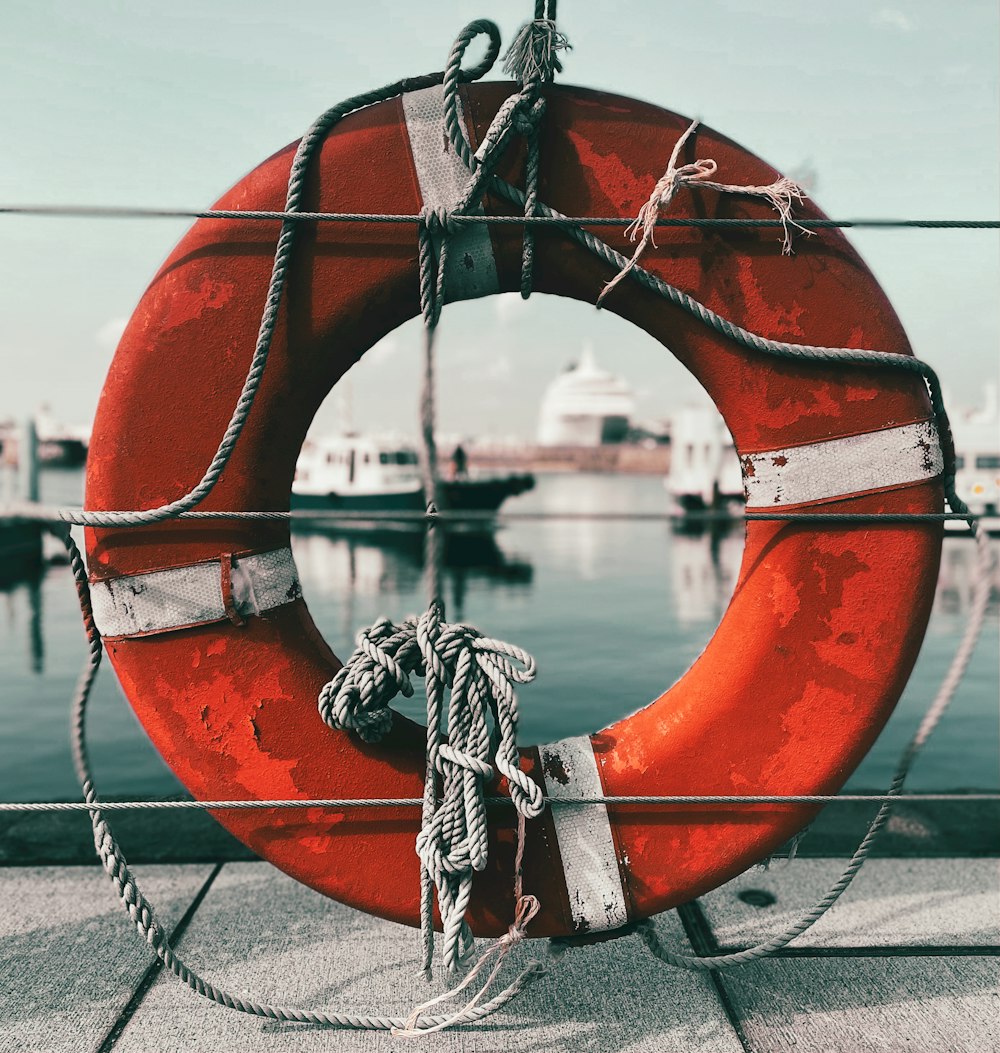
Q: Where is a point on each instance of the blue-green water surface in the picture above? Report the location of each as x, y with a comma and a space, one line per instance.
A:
614, 611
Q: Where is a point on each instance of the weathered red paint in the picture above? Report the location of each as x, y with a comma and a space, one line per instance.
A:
808, 661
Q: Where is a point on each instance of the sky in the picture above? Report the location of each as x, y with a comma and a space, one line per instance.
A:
893, 107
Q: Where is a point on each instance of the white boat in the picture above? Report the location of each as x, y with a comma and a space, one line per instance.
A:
705, 472
977, 462
359, 474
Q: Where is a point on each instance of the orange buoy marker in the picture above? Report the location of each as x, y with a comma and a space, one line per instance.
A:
205, 623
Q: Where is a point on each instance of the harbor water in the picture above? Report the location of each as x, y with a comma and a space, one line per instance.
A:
613, 610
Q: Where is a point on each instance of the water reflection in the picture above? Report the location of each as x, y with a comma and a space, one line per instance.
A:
957, 578
614, 611
704, 567
341, 566
21, 599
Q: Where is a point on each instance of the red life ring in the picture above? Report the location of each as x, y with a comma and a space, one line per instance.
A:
793, 688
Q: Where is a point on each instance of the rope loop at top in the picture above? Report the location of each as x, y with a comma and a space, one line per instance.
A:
454, 75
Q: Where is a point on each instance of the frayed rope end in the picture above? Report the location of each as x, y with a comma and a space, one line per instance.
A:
782, 195
533, 53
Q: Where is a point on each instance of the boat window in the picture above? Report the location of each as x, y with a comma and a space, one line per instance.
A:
368, 458
959, 461
988, 460
385, 458
329, 458
690, 453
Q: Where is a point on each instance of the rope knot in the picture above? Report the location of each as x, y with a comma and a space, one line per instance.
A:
781, 195
437, 220
470, 682
447, 755
527, 907
357, 698
528, 115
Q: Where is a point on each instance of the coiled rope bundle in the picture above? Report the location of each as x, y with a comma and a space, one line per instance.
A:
478, 675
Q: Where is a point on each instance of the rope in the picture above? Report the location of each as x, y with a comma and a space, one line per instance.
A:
532, 60
413, 802
72, 516
263, 215
775, 348
480, 674
141, 911
452, 887
697, 963
781, 194
309, 143
806, 352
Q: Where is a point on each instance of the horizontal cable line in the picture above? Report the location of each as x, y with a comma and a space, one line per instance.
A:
414, 802
865, 517
70, 515
264, 215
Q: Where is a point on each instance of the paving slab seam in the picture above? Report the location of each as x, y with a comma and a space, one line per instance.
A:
148, 978
702, 940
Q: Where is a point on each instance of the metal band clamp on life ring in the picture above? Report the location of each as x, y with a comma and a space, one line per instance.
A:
204, 620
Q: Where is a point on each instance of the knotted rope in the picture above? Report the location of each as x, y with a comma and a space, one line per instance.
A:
533, 54
479, 673
476, 676
781, 194
526, 908
532, 60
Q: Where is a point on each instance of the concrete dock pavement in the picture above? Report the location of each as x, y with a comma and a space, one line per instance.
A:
907, 961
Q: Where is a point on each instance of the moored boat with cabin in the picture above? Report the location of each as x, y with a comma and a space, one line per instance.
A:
358, 474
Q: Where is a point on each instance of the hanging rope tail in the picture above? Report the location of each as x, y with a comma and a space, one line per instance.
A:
479, 675
526, 908
781, 195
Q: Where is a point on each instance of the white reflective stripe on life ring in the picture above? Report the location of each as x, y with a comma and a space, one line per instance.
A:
181, 597
471, 269
855, 464
586, 844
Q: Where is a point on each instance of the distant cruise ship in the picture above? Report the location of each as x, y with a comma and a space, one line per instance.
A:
585, 406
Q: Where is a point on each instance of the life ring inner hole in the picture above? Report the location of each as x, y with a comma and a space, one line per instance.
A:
613, 609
